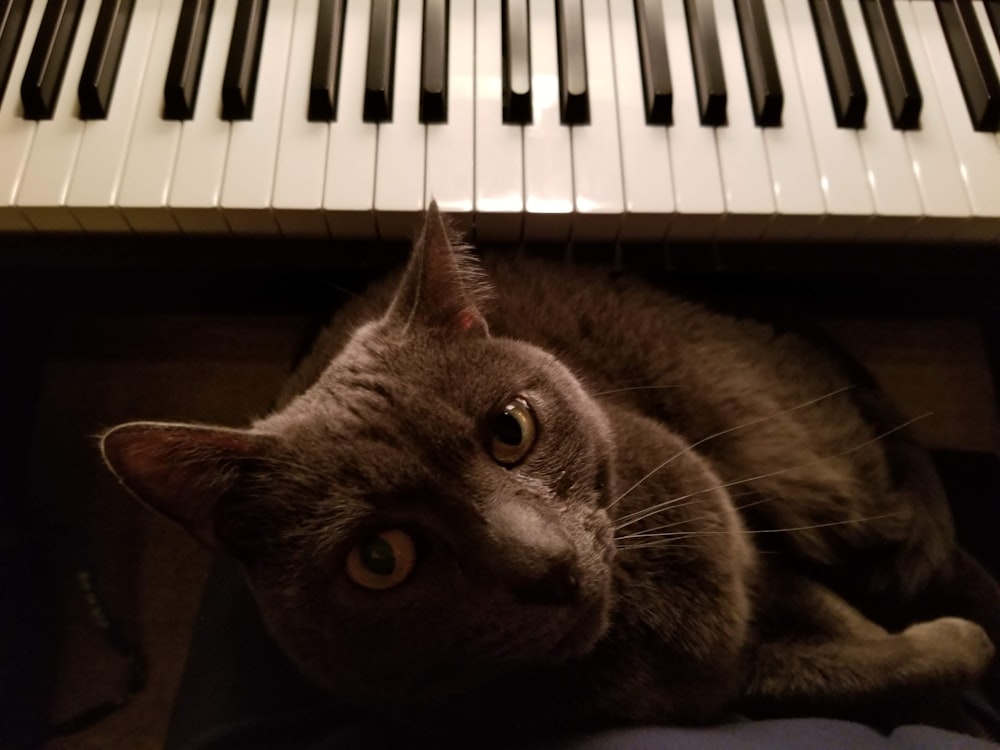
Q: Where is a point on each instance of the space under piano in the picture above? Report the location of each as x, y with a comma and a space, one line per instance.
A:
647, 133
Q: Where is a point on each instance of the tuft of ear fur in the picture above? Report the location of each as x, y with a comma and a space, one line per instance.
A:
183, 471
443, 285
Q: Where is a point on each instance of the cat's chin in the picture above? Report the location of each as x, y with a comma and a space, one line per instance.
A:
582, 636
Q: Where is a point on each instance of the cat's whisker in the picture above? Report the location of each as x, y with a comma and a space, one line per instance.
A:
720, 433
668, 537
660, 507
336, 287
704, 499
646, 532
634, 388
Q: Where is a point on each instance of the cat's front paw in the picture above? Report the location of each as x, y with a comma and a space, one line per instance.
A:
964, 648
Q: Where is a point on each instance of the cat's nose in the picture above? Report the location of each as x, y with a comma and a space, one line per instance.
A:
558, 585
533, 554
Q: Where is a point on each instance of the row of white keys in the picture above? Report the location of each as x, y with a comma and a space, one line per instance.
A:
301, 160
253, 144
795, 181
548, 154
349, 191
145, 182
499, 190
399, 161
890, 171
942, 192
742, 156
697, 181
194, 192
977, 154
93, 189
47, 173
842, 171
16, 134
597, 176
450, 173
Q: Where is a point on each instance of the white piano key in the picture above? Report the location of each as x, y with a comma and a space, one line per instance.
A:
253, 144
649, 191
743, 163
196, 186
890, 170
795, 180
349, 191
301, 163
16, 133
93, 189
942, 192
977, 152
697, 181
145, 182
843, 176
399, 163
597, 174
450, 147
42, 195
548, 155
499, 192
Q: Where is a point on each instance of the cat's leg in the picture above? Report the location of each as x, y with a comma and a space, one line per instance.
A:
818, 655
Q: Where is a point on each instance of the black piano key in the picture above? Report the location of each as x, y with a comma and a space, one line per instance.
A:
843, 75
993, 13
180, 92
516, 63
766, 94
13, 16
657, 90
381, 61
434, 63
902, 92
47, 64
324, 82
239, 83
100, 70
574, 100
709, 78
971, 57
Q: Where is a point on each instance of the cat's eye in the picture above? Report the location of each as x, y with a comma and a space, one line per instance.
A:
513, 432
382, 560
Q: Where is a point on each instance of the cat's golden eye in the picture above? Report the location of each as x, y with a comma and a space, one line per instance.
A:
382, 560
513, 432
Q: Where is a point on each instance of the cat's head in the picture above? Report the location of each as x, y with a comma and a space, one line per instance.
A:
428, 513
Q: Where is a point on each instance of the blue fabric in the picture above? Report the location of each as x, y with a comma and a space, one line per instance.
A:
821, 734
790, 734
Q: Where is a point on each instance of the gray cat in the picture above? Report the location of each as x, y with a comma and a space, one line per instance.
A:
536, 499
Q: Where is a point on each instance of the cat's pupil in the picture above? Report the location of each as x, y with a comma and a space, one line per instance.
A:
378, 557
508, 429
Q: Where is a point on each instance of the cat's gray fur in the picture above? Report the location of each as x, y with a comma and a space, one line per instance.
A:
536, 605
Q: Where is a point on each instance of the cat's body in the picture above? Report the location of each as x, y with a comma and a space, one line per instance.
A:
599, 505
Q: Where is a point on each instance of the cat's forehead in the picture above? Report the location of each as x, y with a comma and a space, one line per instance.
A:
452, 367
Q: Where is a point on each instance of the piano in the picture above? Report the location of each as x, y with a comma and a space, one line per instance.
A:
621, 122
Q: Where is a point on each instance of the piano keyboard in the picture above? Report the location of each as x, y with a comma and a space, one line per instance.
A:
530, 120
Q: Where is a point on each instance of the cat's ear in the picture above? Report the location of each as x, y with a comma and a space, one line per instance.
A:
183, 471
443, 285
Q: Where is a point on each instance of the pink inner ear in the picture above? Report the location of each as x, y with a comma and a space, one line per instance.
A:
179, 470
465, 319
